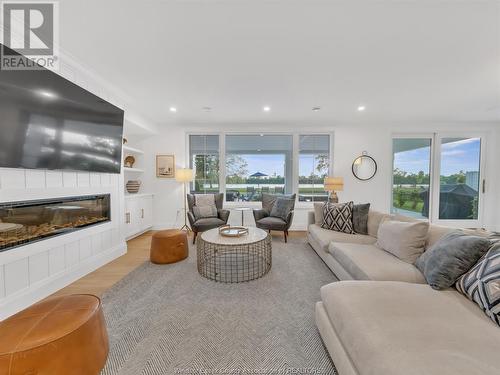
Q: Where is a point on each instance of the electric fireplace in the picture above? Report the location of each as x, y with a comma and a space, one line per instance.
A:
25, 222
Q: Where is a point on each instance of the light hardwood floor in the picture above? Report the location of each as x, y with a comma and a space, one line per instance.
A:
102, 279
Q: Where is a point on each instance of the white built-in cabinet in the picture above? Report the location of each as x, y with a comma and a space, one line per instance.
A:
138, 214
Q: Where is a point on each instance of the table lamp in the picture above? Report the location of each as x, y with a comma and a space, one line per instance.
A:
184, 175
332, 185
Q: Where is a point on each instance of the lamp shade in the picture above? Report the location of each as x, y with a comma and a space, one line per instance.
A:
334, 184
184, 175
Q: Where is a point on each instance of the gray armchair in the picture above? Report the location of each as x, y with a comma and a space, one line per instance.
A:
204, 224
264, 220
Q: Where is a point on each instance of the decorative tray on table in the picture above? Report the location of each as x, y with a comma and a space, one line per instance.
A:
235, 231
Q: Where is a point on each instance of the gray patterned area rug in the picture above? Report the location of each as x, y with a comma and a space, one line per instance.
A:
167, 319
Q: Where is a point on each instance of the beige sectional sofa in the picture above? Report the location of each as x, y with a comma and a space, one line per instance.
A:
383, 319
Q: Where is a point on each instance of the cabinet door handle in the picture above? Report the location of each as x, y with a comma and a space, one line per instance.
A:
142, 213
127, 218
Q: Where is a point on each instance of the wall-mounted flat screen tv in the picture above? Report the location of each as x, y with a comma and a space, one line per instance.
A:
48, 122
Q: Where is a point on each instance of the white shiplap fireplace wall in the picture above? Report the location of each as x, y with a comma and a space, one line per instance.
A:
32, 272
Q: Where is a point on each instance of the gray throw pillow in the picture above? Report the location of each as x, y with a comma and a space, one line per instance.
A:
450, 257
203, 212
282, 207
360, 218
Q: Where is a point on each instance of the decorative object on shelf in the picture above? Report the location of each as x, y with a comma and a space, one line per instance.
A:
133, 186
232, 231
165, 166
184, 175
129, 161
125, 140
364, 167
332, 185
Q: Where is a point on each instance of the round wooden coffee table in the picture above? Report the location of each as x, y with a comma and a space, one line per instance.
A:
234, 259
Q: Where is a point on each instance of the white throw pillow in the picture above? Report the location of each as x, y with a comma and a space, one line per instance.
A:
403, 239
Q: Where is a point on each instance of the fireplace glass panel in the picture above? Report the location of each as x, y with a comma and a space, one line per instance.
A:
25, 222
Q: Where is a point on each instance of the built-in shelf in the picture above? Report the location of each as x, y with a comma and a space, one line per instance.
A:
132, 149
134, 170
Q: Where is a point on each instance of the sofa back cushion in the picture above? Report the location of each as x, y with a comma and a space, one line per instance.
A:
405, 240
374, 220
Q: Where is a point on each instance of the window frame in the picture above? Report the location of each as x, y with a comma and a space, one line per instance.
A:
435, 175
295, 160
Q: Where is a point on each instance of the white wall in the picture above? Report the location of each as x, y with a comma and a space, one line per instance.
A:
349, 142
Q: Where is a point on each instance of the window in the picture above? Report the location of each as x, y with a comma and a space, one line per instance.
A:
459, 178
204, 160
314, 165
411, 176
257, 164
447, 189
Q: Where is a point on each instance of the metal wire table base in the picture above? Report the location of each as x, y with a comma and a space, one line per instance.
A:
234, 263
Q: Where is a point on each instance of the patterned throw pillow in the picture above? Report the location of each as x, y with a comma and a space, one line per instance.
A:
338, 217
482, 283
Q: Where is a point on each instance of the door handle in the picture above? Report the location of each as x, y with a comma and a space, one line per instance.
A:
142, 213
484, 186
127, 218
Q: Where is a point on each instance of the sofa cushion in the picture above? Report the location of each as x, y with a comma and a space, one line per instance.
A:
395, 328
405, 240
208, 223
368, 262
451, 257
374, 219
325, 236
360, 218
482, 283
436, 232
338, 217
274, 223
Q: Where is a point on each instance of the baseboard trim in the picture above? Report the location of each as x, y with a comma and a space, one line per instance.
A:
36, 292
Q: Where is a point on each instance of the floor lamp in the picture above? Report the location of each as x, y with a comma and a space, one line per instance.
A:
333, 184
184, 175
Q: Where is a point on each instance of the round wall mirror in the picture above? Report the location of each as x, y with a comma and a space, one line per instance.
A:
364, 167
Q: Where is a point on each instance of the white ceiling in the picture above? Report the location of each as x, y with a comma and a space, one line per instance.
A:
425, 60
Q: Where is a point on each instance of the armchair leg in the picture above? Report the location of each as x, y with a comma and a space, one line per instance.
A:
286, 236
194, 237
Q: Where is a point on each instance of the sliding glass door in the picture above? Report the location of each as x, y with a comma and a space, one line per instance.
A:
458, 186
411, 176
439, 177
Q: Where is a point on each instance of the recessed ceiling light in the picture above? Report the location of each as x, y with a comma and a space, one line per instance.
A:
266, 108
47, 94
207, 109
361, 108
315, 109
173, 109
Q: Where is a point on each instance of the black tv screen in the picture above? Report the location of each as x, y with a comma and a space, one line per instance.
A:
47, 122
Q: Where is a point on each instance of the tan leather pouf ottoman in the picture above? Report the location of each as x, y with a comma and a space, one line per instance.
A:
60, 335
169, 246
